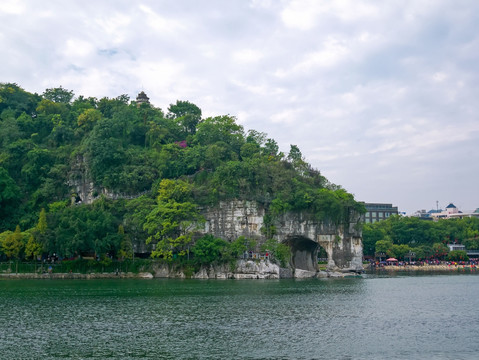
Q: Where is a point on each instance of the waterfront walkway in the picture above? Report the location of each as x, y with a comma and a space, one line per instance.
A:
429, 267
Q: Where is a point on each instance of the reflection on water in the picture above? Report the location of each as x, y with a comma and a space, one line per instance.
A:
359, 318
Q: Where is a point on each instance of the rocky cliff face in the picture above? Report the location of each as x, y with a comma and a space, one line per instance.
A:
304, 234
84, 189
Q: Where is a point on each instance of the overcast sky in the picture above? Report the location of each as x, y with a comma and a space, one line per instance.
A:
380, 96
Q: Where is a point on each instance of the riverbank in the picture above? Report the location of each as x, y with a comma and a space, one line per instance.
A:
244, 269
427, 267
144, 275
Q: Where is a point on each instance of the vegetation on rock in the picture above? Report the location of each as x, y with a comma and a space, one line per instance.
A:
177, 161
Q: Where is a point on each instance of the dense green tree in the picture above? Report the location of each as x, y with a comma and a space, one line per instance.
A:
86, 229
271, 148
425, 238
220, 128
249, 150
9, 130
182, 108
9, 199
440, 250
172, 222
88, 118
295, 155
108, 107
241, 245
42, 225
209, 249
13, 245
9, 191
277, 250
399, 251
371, 235
134, 219
384, 246
33, 248
13, 97
187, 115
457, 255
58, 95
105, 152
37, 166
126, 246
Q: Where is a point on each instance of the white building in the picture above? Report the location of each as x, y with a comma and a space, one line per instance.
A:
446, 214
452, 212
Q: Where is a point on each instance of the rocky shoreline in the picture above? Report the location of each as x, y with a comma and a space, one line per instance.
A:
245, 269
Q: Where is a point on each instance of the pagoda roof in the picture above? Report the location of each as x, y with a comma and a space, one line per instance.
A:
142, 97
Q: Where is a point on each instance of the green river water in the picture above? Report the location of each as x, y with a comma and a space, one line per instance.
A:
373, 317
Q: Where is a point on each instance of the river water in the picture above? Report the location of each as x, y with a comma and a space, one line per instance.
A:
373, 317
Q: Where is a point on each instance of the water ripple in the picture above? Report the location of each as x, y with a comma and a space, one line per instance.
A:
400, 317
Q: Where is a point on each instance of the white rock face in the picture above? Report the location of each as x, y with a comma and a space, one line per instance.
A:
245, 269
202, 274
165, 272
249, 269
304, 274
342, 243
145, 275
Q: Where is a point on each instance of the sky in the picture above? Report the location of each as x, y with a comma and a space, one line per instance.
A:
381, 96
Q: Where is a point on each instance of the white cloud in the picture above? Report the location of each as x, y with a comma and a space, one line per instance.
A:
380, 96
115, 26
77, 48
439, 77
332, 52
247, 56
14, 7
287, 116
306, 14
261, 4
158, 22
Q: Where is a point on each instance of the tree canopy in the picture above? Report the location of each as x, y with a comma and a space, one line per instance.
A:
397, 236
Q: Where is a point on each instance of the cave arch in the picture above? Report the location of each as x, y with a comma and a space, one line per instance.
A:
304, 253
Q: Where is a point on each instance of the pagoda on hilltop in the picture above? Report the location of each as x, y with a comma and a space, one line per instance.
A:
142, 99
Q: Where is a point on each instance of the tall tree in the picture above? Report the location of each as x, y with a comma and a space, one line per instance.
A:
33, 248
12, 245
188, 115
172, 222
126, 246
58, 95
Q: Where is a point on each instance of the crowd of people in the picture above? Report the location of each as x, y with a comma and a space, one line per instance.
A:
472, 263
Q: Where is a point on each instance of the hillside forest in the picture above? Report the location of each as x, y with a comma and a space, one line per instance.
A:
162, 165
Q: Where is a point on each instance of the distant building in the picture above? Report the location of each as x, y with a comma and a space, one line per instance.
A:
465, 214
377, 211
451, 209
455, 247
452, 212
142, 99
445, 214
426, 215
